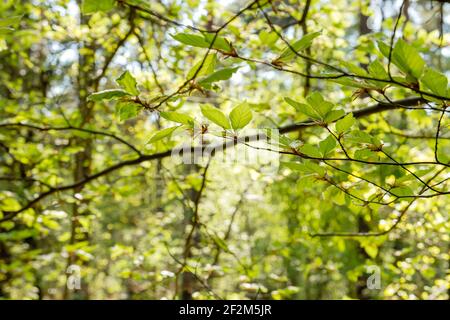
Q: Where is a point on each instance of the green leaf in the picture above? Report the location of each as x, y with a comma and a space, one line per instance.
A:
215, 115
10, 21
92, 6
307, 167
127, 109
402, 191
280, 140
268, 38
435, 82
207, 67
219, 242
363, 154
220, 43
345, 123
319, 104
240, 116
288, 54
310, 150
408, 59
17, 235
162, 134
205, 41
107, 95
377, 70
5, 31
384, 48
191, 40
293, 165
350, 82
221, 74
354, 68
303, 108
333, 115
405, 57
177, 117
371, 250
359, 137
128, 83
314, 168
327, 145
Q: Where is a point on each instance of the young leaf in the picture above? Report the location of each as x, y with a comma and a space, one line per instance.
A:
357, 136
310, 150
177, 117
215, 115
128, 83
371, 250
363, 154
5, 31
383, 48
435, 82
221, 74
207, 67
294, 165
333, 115
327, 145
354, 68
220, 43
127, 109
205, 41
402, 191
162, 134
240, 116
191, 40
350, 82
319, 104
307, 167
92, 6
303, 108
405, 57
10, 21
345, 123
408, 59
377, 70
268, 38
279, 140
314, 167
107, 95
288, 54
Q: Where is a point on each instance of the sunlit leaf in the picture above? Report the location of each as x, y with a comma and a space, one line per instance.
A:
92, 6
345, 123
290, 52
310, 150
327, 145
177, 117
215, 115
107, 95
127, 109
303, 108
219, 75
204, 67
164, 133
435, 82
128, 83
240, 116
405, 57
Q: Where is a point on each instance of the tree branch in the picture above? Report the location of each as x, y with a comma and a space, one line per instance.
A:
380, 107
